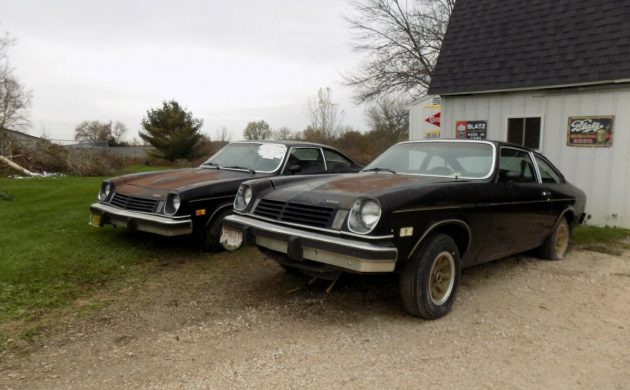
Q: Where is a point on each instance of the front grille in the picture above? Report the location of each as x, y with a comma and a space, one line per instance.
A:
133, 203
295, 213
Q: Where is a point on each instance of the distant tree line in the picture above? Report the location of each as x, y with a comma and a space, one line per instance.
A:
388, 123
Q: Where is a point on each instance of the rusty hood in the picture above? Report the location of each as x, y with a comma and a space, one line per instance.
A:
342, 190
157, 184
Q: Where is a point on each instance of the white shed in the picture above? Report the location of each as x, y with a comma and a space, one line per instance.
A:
553, 80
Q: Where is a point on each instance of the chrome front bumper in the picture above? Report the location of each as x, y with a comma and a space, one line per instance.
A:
299, 245
134, 220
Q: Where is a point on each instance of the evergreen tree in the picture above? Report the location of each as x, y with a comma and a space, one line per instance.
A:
172, 131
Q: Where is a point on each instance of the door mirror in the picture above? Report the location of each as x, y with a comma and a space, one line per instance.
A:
295, 168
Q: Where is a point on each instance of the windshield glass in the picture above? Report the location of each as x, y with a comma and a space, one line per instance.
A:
449, 159
265, 157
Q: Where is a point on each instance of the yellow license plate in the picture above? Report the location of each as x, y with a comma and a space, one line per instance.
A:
95, 220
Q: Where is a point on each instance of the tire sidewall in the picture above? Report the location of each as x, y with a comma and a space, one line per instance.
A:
415, 278
441, 243
554, 236
212, 233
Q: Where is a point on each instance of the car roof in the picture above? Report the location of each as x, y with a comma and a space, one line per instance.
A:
494, 142
283, 142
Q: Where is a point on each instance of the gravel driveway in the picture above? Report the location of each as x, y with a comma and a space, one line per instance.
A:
239, 321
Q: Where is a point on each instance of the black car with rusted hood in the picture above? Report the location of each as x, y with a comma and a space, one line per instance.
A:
424, 209
195, 201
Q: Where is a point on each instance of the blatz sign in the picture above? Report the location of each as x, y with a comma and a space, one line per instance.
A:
471, 129
590, 131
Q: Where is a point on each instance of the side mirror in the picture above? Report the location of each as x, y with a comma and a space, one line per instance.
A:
295, 168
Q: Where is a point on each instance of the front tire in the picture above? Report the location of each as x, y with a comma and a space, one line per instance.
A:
429, 281
212, 234
556, 245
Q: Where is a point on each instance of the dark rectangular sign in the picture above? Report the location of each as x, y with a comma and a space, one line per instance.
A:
590, 131
471, 129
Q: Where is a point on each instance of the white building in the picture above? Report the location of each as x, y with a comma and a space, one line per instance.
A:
553, 76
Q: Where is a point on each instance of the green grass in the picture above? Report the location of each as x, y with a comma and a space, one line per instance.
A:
613, 240
49, 255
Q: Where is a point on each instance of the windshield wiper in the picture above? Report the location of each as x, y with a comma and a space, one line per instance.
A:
379, 170
210, 165
253, 172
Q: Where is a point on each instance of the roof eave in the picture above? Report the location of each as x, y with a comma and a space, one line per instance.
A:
503, 90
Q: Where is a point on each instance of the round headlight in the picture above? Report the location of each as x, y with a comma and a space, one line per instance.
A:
370, 213
173, 202
364, 216
243, 197
106, 189
247, 195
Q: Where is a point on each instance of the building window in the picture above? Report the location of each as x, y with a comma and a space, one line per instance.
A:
524, 132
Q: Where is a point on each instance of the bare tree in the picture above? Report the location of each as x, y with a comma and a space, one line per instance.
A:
96, 132
118, 133
389, 119
401, 40
93, 131
14, 98
324, 116
282, 133
223, 135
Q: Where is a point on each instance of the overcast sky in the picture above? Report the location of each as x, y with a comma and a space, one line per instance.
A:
229, 62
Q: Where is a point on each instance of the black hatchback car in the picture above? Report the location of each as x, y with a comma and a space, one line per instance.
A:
424, 209
195, 201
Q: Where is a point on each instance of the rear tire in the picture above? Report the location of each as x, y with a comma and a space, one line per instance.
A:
212, 234
556, 245
429, 281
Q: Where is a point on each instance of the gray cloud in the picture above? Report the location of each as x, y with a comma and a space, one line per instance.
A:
228, 62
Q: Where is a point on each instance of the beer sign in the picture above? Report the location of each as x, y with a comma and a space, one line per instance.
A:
471, 129
590, 131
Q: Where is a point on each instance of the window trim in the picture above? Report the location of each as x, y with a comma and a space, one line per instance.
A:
538, 156
542, 128
292, 148
522, 150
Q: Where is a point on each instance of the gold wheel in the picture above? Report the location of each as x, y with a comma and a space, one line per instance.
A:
561, 242
442, 278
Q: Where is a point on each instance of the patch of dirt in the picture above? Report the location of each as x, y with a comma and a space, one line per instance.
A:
229, 321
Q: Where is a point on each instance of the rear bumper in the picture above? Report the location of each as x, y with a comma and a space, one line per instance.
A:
134, 220
299, 245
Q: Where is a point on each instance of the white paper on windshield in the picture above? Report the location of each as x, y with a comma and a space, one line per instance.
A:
272, 151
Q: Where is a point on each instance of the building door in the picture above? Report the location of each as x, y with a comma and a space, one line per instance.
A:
525, 132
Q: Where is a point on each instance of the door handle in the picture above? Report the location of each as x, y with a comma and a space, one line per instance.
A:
546, 194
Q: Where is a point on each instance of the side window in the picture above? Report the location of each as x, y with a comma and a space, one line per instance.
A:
515, 165
547, 173
336, 162
305, 161
524, 132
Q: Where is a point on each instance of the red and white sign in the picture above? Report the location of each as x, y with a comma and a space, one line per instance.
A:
434, 119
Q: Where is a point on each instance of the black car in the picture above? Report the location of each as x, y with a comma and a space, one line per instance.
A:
195, 201
424, 209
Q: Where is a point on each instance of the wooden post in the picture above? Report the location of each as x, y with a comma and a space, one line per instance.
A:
16, 166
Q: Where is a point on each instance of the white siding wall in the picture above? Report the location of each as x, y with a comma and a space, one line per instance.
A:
603, 173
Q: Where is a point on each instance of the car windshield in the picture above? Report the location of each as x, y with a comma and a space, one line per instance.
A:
265, 157
473, 160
